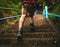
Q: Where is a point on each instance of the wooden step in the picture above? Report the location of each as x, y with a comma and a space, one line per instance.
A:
26, 39
30, 35
25, 42
28, 27
28, 30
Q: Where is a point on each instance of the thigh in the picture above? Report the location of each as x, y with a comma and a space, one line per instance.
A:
23, 10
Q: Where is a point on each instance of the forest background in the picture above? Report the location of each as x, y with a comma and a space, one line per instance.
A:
13, 8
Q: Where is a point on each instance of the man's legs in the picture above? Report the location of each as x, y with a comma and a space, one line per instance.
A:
21, 22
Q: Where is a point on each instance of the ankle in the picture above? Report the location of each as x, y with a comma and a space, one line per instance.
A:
32, 24
20, 30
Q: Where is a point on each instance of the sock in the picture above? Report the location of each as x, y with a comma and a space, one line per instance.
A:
32, 24
32, 27
19, 30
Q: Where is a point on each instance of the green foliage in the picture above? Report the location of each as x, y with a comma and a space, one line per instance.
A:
16, 4
10, 3
56, 9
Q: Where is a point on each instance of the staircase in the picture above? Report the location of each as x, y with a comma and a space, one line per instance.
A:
43, 36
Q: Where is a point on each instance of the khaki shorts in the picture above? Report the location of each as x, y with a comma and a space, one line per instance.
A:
28, 9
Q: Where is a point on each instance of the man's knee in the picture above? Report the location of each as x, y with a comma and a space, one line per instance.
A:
22, 18
23, 15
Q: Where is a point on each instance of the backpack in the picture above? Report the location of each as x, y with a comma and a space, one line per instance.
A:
29, 1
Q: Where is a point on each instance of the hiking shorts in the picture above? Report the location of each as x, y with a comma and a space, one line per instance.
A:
28, 9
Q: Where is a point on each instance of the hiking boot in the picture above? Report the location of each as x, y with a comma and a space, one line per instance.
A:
32, 27
19, 34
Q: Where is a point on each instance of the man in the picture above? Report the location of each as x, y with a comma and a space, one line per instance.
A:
28, 6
